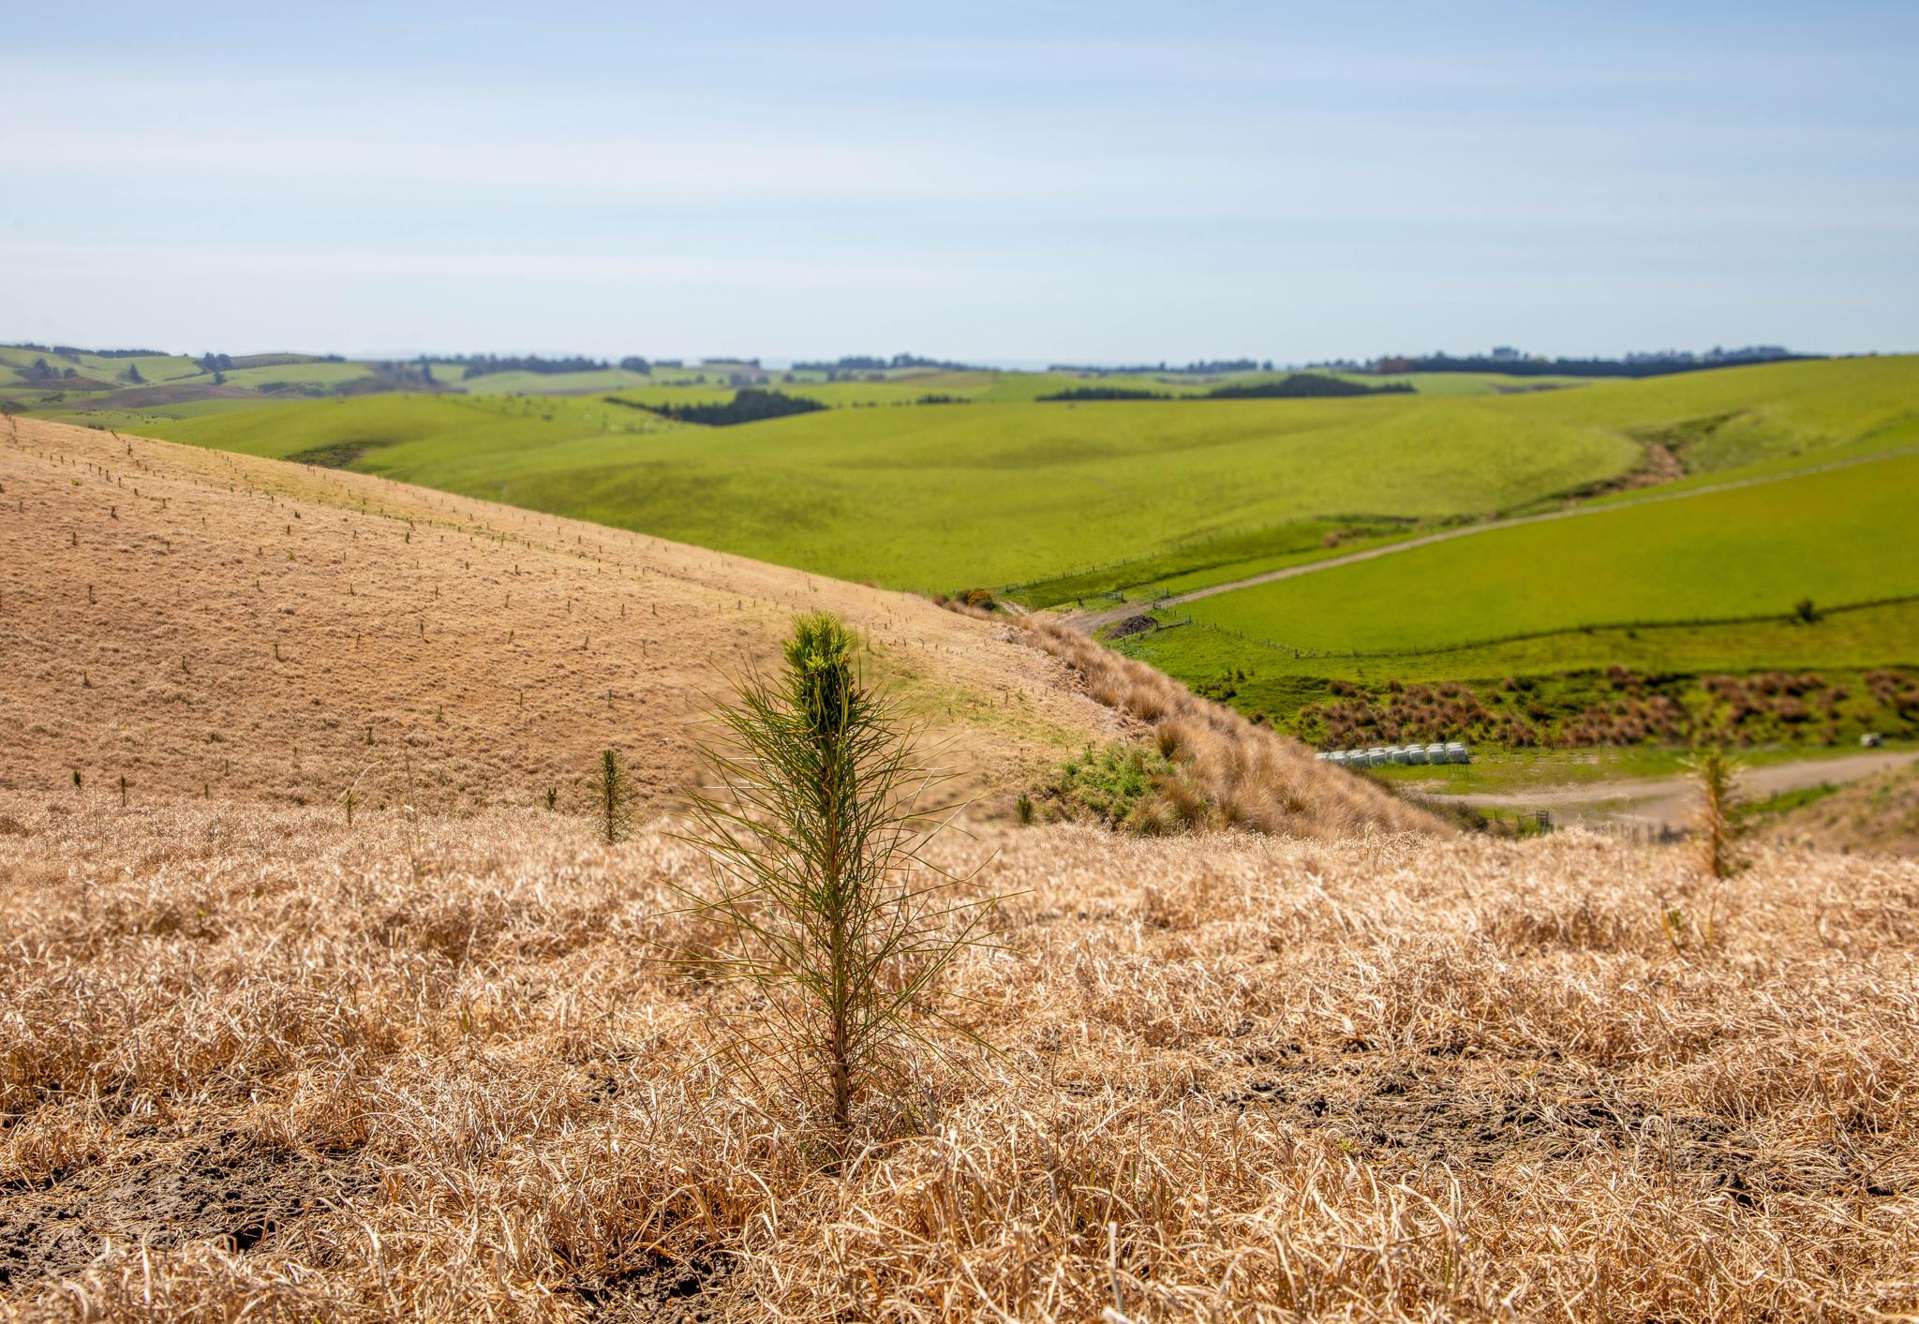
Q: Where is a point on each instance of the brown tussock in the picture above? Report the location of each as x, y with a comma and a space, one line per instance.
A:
1234, 773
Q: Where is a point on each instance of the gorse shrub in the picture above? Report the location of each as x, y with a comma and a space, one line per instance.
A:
821, 888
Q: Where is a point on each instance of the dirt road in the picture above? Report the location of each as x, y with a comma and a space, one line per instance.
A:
1654, 801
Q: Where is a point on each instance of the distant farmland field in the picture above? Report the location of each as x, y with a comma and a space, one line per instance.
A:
1053, 503
1840, 536
1073, 500
1603, 628
940, 497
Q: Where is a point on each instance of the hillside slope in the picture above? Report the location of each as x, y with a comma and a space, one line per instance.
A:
1879, 815
1072, 500
228, 627
217, 625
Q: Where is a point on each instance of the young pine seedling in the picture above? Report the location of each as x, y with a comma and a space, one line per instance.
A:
821, 884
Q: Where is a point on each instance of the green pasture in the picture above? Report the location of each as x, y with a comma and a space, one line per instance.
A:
538, 383
1839, 536
942, 497
1860, 637
298, 374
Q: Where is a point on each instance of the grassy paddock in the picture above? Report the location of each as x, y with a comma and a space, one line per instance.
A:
1831, 537
1096, 496
941, 497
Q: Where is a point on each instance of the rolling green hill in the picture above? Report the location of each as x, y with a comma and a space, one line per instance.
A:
938, 497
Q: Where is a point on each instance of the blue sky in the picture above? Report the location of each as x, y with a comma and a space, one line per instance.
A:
1093, 182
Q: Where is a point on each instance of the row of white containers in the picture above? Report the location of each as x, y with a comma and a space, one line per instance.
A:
1450, 752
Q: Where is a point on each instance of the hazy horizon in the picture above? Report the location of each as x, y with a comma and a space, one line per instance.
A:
1007, 184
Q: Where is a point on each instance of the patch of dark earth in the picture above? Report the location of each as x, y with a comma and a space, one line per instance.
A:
1131, 626
228, 1187
1428, 1116
673, 1291
335, 455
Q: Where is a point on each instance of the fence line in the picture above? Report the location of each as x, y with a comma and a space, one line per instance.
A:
1523, 636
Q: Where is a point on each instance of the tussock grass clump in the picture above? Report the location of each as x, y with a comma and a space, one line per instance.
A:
1230, 771
821, 884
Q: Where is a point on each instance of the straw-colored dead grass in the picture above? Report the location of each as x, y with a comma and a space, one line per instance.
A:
256, 1065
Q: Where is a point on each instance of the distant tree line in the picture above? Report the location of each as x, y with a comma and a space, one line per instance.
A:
1302, 385
74, 352
875, 363
748, 405
1655, 363
1294, 386
400, 375
1078, 393
485, 365
1197, 368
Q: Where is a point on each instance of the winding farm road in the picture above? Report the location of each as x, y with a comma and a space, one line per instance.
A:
1670, 801
1089, 622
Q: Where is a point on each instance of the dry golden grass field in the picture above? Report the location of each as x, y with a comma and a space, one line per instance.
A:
256, 1063
213, 625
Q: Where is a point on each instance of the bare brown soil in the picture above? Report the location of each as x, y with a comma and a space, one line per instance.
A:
224, 1187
